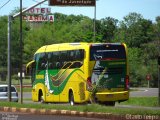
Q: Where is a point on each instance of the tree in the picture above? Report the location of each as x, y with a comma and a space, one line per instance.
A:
108, 27
136, 30
3, 41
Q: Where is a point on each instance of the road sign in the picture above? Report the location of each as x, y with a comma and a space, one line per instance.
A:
148, 77
72, 2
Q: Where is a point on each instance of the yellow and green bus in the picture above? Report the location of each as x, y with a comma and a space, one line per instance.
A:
80, 73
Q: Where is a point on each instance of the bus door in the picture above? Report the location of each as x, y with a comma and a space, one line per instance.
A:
53, 75
109, 67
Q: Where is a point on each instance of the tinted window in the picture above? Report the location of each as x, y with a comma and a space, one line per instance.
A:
77, 64
41, 60
64, 56
13, 89
5, 89
65, 59
53, 57
102, 52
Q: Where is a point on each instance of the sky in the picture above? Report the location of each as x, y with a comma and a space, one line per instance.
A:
117, 9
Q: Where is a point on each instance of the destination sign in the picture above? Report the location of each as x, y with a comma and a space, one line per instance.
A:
72, 2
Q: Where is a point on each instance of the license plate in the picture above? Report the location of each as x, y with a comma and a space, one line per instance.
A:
109, 95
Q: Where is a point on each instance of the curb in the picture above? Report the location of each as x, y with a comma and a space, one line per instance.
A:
63, 112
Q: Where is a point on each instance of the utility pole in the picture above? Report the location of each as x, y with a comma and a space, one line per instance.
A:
10, 18
159, 80
21, 54
95, 22
9, 58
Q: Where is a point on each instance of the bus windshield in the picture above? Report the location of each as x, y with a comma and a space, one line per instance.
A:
107, 52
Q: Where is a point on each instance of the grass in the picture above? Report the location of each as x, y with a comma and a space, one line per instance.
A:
25, 89
84, 108
142, 101
134, 101
139, 101
17, 81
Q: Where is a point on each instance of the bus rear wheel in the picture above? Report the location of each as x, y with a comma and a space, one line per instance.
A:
71, 98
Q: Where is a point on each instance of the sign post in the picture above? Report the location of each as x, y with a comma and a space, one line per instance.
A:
159, 80
148, 78
10, 18
9, 58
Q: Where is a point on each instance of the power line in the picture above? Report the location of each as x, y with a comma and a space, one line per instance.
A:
5, 4
37, 2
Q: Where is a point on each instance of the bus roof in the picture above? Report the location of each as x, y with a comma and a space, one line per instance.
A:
61, 46
69, 46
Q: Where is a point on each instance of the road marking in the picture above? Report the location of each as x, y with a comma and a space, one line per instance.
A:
145, 90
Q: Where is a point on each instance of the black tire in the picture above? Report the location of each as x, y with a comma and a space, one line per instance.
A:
41, 98
71, 99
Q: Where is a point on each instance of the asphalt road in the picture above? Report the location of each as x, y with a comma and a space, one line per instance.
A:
144, 92
26, 94
24, 116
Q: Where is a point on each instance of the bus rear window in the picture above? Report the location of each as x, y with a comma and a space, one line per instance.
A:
107, 51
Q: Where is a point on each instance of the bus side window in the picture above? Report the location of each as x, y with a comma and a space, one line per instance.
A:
63, 58
50, 61
76, 56
58, 65
80, 55
71, 55
77, 64
53, 60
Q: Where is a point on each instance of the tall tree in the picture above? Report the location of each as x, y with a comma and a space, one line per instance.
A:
108, 27
137, 30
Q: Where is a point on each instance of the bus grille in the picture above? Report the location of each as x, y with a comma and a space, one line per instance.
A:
81, 91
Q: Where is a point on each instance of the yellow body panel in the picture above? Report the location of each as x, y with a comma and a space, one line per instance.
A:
112, 96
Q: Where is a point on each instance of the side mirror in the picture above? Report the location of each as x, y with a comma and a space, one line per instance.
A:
158, 60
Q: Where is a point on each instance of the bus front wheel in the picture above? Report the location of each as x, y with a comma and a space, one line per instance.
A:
71, 98
41, 98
